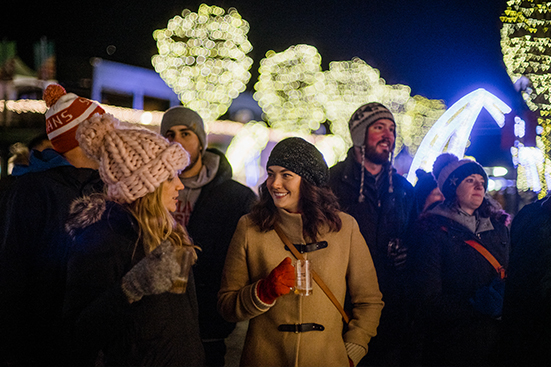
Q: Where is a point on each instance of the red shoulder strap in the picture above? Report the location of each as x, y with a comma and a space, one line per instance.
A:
478, 247
487, 255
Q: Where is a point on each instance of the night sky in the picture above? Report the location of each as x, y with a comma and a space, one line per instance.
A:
442, 49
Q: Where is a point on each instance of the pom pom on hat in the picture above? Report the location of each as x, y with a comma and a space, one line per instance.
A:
66, 111
52, 94
424, 186
133, 161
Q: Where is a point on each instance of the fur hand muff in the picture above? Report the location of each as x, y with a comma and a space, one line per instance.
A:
154, 274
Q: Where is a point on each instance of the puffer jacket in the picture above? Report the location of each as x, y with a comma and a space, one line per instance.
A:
344, 264
445, 275
158, 330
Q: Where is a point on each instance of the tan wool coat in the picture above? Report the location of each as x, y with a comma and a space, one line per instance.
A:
344, 263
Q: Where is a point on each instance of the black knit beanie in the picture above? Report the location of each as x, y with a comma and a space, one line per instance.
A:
424, 186
301, 157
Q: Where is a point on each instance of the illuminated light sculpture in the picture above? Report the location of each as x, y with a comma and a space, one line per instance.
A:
453, 128
526, 47
351, 84
203, 58
529, 162
291, 89
295, 95
243, 153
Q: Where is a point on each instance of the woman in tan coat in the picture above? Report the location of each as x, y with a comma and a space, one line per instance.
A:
287, 329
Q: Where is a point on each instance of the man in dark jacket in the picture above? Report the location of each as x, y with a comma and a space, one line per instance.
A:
209, 207
381, 201
33, 244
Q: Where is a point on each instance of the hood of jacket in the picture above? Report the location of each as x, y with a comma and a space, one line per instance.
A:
475, 223
216, 169
84, 212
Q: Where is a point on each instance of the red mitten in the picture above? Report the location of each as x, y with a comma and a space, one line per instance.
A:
278, 283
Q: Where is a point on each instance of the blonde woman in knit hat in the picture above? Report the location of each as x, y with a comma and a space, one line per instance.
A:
456, 289
118, 300
287, 329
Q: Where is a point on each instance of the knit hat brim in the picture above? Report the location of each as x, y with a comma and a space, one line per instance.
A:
364, 117
133, 161
302, 158
148, 177
454, 173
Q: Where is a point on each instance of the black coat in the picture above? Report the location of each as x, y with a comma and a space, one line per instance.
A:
220, 205
158, 330
527, 304
33, 258
383, 217
445, 274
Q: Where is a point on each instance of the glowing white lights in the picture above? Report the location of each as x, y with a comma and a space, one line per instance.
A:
520, 127
290, 89
499, 171
203, 58
297, 96
453, 128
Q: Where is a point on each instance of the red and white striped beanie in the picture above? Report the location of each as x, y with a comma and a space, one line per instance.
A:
65, 112
133, 161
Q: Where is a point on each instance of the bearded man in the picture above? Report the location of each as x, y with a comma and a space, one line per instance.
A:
381, 201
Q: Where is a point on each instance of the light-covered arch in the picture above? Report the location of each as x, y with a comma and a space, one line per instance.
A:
453, 128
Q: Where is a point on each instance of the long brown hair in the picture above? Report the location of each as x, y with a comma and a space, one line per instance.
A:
319, 208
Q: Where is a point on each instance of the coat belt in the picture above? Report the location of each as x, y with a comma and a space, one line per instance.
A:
300, 328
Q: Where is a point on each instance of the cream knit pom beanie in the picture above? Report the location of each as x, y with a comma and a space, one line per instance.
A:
133, 161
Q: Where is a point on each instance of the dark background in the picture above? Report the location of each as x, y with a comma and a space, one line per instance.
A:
442, 49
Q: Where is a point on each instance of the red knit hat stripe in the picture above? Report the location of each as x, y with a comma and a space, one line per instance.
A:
66, 141
61, 126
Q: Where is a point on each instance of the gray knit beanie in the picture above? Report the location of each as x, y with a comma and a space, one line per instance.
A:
302, 158
180, 115
364, 117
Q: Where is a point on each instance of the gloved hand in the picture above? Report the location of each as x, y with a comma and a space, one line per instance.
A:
488, 300
154, 274
279, 282
397, 253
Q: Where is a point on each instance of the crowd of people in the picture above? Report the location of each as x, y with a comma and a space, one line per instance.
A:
95, 222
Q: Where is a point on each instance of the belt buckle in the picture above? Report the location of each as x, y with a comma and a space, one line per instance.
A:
298, 328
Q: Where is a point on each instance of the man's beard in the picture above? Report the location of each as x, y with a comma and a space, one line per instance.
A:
193, 158
373, 156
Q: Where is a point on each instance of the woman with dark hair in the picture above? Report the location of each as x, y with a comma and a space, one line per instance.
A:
459, 252
285, 328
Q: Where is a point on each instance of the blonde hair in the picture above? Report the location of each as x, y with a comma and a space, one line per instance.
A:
155, 222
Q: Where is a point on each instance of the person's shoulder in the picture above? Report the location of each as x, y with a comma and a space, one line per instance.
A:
38, 183
402, 182
347, 220
338, 170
